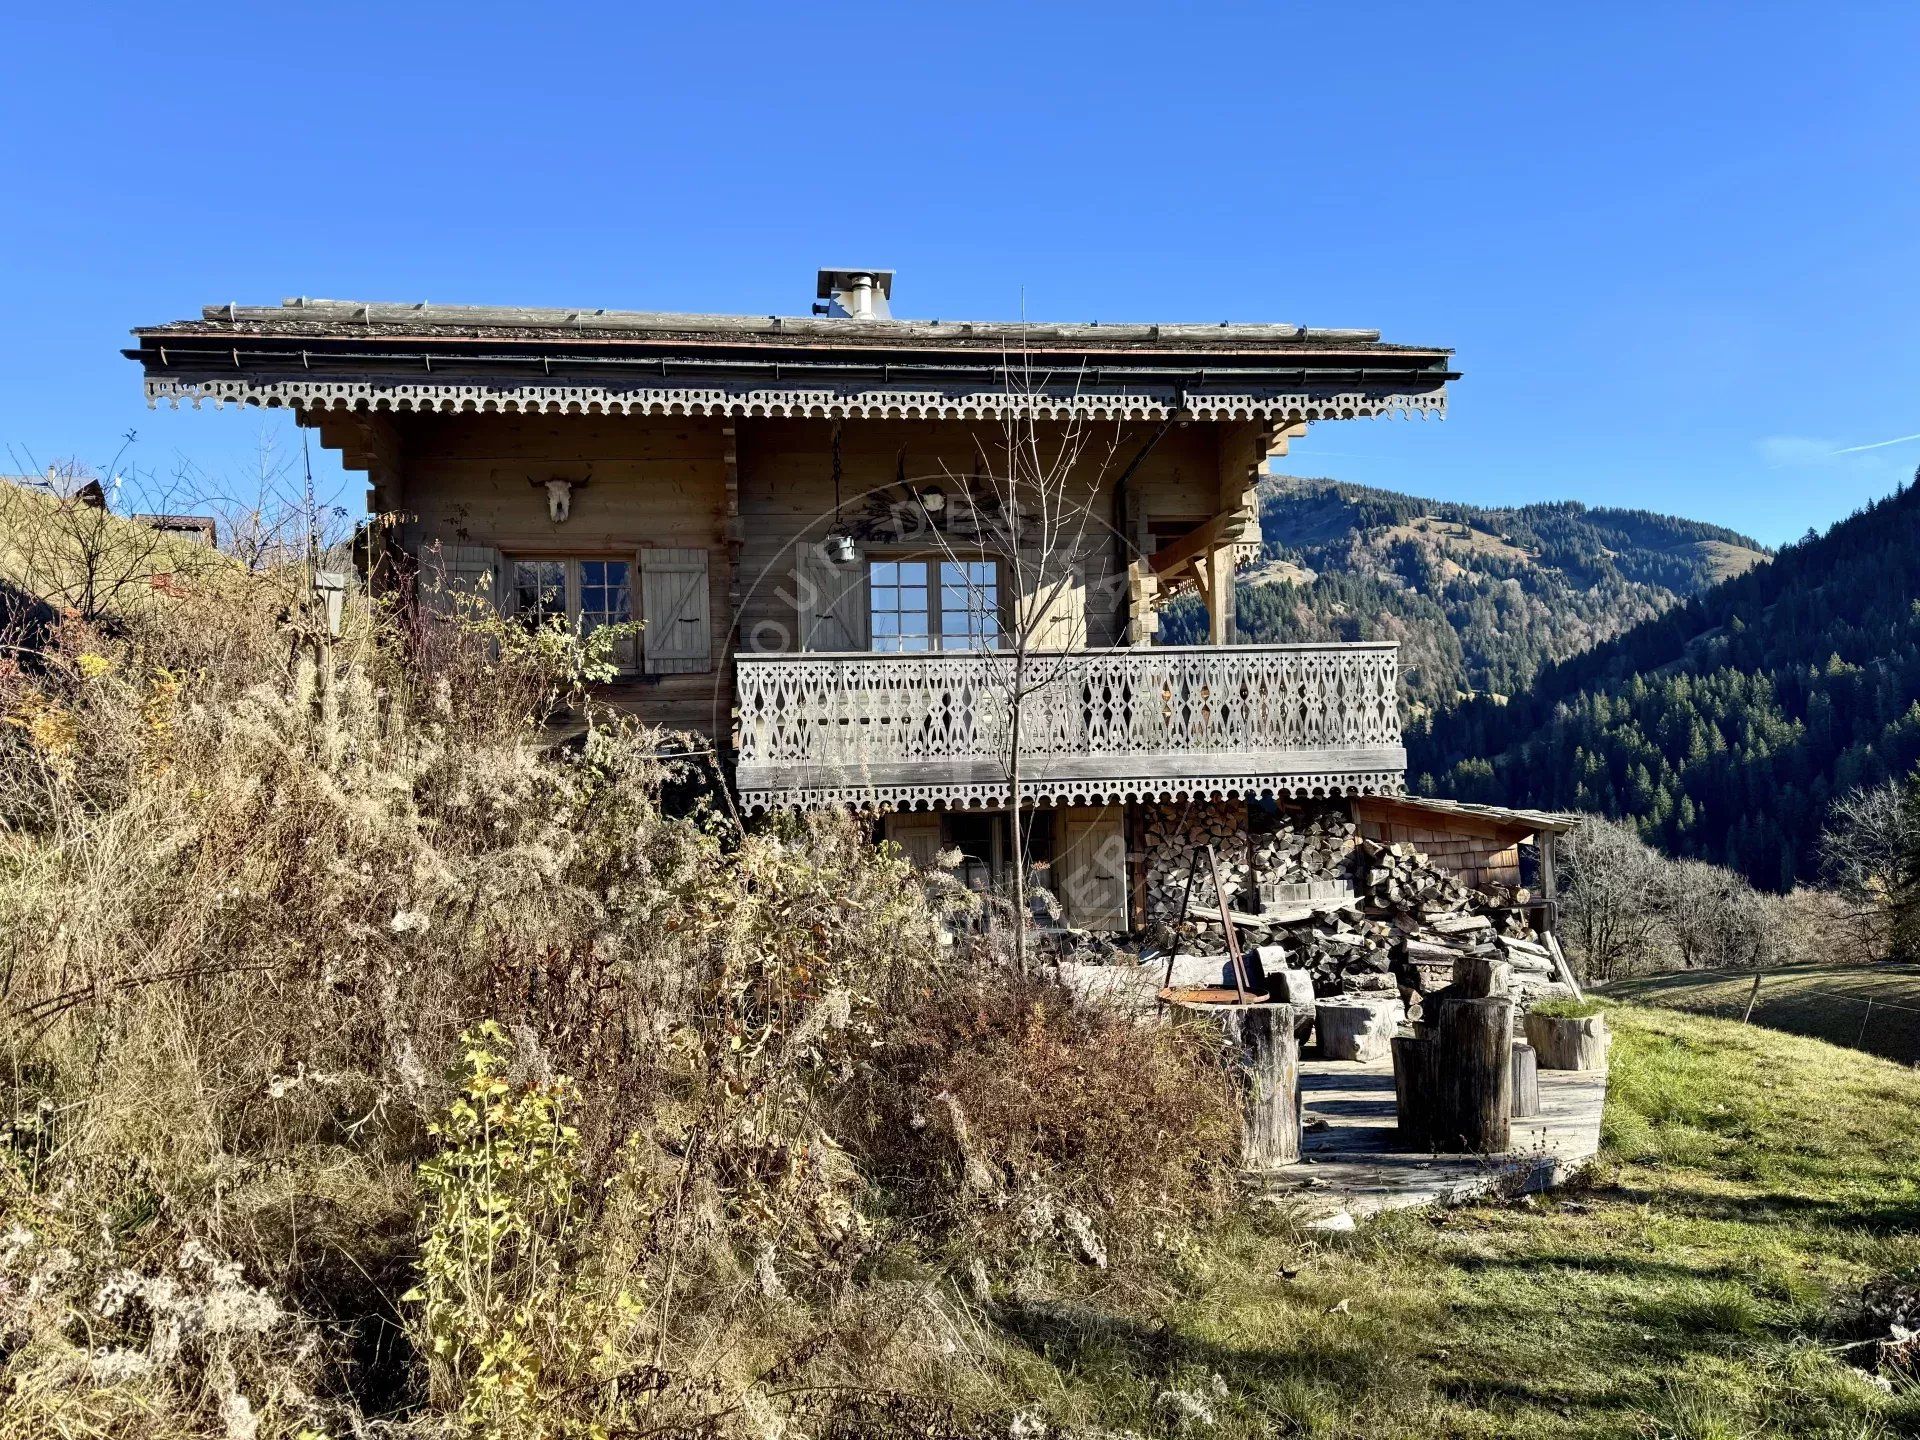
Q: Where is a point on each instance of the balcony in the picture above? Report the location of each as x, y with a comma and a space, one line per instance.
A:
925, 731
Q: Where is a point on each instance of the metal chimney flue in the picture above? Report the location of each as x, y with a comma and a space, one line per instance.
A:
855, 294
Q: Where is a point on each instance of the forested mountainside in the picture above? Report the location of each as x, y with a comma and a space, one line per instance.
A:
1724, 726
1479, 599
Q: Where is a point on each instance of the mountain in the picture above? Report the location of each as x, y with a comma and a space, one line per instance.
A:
1479, 598
1725, 725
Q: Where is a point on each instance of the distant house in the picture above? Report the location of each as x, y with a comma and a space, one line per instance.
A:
784, 502
200, 529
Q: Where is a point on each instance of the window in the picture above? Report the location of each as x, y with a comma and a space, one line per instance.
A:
908, 613
899, 605
969, 605
588, 593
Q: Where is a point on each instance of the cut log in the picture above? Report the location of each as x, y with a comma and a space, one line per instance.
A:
1263, 1054
1294, 987
1474, 1098
1526, 1081
1475, 977
1414, 1082
1459, 924
1357, 1029
1569, 1043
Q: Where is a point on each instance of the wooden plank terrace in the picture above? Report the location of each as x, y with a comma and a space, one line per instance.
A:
1352, 1166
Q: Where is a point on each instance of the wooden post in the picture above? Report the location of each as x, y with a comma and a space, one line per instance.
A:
1264, 1057
1549, 891
1414, 1081
1474, 1040
1752, 995
1526, 1081
1569, 1043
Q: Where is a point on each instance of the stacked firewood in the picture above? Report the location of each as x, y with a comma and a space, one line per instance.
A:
1400, 927
1309, 850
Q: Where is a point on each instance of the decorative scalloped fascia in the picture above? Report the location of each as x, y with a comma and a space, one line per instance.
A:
822, 404
990, 795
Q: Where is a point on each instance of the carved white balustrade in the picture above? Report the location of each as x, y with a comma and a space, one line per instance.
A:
1128, 724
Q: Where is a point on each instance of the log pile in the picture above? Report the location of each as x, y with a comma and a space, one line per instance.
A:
1402, 925
1284, 866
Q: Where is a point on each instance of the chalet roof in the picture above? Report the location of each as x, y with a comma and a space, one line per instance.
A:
322, 353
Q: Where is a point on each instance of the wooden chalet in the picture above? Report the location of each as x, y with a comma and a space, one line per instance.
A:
787, 506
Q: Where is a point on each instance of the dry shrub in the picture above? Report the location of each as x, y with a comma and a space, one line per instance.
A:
252, 895
1009, 1116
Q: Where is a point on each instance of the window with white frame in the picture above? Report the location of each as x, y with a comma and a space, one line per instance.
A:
588, 593
920, 605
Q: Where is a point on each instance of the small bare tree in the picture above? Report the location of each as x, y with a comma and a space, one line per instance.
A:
1612, 910
1868, 835
1029, 503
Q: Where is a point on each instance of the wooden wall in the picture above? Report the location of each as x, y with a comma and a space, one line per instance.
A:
786, 496
676, 482
1479, 850
651, 481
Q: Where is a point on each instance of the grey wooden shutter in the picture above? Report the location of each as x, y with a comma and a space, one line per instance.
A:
1090, 862
832, 601
678, 634
452, 575
918, 835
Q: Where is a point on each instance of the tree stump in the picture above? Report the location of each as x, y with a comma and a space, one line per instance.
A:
1569, 1042
1473, 1106
1264, 1058
1415, 1079
1357, 1029
1526, 1081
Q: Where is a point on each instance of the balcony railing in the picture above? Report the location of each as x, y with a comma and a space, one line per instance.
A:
1145, 723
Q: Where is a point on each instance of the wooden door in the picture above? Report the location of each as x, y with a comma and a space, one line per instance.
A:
1090, 859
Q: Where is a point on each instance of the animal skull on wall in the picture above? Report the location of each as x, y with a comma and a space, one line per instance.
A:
559, 497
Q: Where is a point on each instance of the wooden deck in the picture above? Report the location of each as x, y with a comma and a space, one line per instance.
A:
1353, 1166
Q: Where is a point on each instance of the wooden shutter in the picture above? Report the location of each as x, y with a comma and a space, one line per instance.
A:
1090, 859
678, 620
832, 601
1056, 602
451, 573
919, 835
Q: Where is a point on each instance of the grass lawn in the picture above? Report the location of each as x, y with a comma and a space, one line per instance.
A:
1875, 1008
1694, 1285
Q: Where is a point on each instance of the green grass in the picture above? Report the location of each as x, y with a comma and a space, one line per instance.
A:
1828, 1002
1694, 1285
1574, 1009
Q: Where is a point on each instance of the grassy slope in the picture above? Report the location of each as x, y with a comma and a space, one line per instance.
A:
1751, 1182
1828, 1002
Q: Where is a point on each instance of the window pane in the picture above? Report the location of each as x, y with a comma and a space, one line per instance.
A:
540, 588
969, 604
605, 594
897, 605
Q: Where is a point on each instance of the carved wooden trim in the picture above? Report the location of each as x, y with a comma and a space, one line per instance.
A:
873, 404
1133, 724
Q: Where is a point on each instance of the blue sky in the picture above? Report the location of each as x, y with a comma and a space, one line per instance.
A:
1674, 245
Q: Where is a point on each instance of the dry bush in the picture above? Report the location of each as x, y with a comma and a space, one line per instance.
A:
1012, 1119
254, 892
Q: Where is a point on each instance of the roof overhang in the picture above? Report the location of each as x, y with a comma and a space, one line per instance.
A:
328, 355
1470, 818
